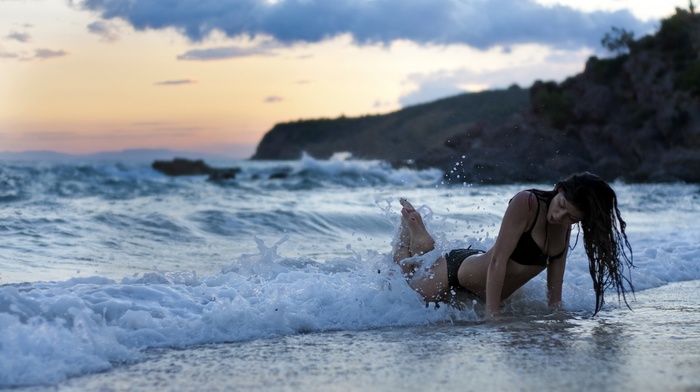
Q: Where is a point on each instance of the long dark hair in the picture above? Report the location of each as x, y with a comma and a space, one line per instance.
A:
604, 237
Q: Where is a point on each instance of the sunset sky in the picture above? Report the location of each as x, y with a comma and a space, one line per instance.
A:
84, 76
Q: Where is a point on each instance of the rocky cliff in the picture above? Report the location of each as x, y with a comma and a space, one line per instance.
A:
396, 137
635, 117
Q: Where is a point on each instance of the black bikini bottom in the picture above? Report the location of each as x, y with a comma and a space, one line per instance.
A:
454, 260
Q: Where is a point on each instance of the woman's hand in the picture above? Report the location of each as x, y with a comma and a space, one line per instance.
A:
491, 316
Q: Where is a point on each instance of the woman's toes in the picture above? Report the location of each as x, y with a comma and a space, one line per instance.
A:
405, 204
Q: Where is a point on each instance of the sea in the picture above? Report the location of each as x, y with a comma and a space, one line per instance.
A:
115, 277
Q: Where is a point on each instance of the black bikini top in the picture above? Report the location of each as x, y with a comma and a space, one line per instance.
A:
527, 252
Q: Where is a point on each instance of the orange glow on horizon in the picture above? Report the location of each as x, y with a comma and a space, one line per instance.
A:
70, 90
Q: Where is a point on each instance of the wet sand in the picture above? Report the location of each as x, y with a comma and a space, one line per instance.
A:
656, 347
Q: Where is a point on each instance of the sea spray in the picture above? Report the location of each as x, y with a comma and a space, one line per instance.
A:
86, 325
101, 262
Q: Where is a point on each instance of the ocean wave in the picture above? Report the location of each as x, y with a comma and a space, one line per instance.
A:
51, 331
117, 258
121, 181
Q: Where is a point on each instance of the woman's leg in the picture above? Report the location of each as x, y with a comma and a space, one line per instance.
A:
401, 248
432, 284
414, 239
421, 241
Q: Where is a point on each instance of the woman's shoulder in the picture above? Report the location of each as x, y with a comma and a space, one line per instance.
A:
525, 199
520, 212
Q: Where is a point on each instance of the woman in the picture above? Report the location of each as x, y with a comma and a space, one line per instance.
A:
534, 236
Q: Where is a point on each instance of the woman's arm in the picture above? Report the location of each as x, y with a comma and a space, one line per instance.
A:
515, 222
555, 276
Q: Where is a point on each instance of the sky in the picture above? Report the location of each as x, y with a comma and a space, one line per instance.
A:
213, 76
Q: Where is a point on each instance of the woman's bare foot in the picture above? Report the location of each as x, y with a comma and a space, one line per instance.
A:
401, 247
421, 241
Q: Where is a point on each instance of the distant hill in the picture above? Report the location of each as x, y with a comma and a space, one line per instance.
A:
397, 136
33, 156
634, 117
130, 155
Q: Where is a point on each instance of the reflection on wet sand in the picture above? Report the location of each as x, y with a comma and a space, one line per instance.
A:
654, 348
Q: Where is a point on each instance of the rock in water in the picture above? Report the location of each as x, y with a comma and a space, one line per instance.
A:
188, 167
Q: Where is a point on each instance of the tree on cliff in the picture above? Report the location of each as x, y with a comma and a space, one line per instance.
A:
618, 41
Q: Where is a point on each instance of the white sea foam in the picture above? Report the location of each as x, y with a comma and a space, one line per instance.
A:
85, 325
103, 261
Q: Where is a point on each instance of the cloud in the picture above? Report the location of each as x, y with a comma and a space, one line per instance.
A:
39, 54
172, 131
114, 133
49, 135
20, 37
442, 84
228, 52
379, 104
49, 54
434, 86
148, 123
477, 23
273, 99
177, 82
107, 31
7, 55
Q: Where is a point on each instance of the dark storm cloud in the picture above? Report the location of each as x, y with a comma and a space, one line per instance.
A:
478, 23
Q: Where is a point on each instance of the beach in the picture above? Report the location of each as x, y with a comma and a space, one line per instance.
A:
655, 347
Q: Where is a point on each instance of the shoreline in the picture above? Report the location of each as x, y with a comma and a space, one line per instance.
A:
654, 347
